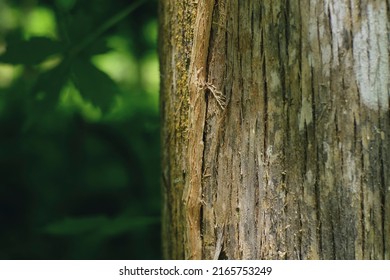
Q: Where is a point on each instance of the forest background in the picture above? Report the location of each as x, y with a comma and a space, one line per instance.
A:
79, 130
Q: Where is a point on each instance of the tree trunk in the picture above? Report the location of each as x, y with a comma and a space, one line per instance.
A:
276, 129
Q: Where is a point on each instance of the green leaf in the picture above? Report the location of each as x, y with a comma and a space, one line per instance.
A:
98, 47
31, 52
50, 83
94, 84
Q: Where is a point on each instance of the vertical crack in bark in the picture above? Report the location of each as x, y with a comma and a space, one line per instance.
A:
317, 194
203, 171
338, 239
304, 219
299, 78
266, 162
300, 233
257, 179
334, 250
318, 206
287, 27
286, 108
265, 100
386, 218
281, 70
201, 228
362, 206
330, 33
383, 203
386, 201
382, 190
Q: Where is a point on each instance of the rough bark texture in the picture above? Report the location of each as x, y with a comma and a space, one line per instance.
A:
276, 129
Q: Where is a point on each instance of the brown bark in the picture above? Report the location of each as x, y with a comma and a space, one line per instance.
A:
275, 129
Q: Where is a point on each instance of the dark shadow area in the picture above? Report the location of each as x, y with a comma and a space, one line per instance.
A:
79, 130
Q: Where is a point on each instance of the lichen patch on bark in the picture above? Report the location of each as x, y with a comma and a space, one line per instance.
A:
371, 57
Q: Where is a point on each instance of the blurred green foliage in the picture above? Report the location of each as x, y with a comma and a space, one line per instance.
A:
79, 130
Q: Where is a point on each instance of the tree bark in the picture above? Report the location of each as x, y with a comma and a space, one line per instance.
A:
275, 129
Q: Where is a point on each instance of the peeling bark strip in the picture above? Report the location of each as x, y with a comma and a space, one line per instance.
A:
276, 129
193, 186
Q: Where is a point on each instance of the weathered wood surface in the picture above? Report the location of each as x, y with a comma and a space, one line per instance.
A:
275, 129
